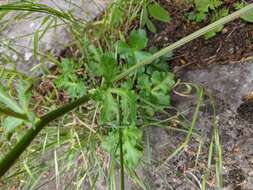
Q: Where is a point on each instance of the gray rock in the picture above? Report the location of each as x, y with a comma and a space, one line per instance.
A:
16, 38
227, 84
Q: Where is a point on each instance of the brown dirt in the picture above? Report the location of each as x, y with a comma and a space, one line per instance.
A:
233, 44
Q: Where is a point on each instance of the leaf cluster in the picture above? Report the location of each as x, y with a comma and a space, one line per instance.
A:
202, 9
68, 79
132, 146
150, 84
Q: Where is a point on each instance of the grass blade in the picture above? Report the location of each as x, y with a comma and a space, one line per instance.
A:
35, 44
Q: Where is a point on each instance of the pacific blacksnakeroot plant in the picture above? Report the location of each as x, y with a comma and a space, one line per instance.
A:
151, 84
122, 81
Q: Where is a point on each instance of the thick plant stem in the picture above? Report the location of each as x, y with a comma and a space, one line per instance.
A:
185, 40
10, 158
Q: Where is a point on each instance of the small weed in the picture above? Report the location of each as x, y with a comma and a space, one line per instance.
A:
203, 8
216, 16
155, 11
215, 11
69, 81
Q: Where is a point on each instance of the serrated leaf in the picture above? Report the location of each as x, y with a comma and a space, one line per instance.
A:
69, 81
203, 7
138, 39
67, 66
109, 107
156, 88
110, 142
108, 66
159, 13
123, 47
160, 64
162, 81
200, 16
132, 146
74, 89
128, 104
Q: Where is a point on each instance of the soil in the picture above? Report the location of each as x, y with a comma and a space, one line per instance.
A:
233, 44
220, 66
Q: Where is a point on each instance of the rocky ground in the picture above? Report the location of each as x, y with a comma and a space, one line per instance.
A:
228, 85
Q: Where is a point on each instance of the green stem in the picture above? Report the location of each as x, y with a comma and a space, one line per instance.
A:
122, 180
185, 40
11, 113
10, 158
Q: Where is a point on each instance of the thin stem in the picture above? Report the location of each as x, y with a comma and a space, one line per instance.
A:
11, 113
36, 7
122, 180
185, 40
10, 158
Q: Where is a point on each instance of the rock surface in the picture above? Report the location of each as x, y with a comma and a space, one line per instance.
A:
16, 36
228, 84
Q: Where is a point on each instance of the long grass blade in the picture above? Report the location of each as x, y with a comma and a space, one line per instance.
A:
35, 7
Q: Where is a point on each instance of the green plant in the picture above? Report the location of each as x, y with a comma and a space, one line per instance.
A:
155, 11
68, 79
212, 8
216, 16
202, 9
121, 79
248, 17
